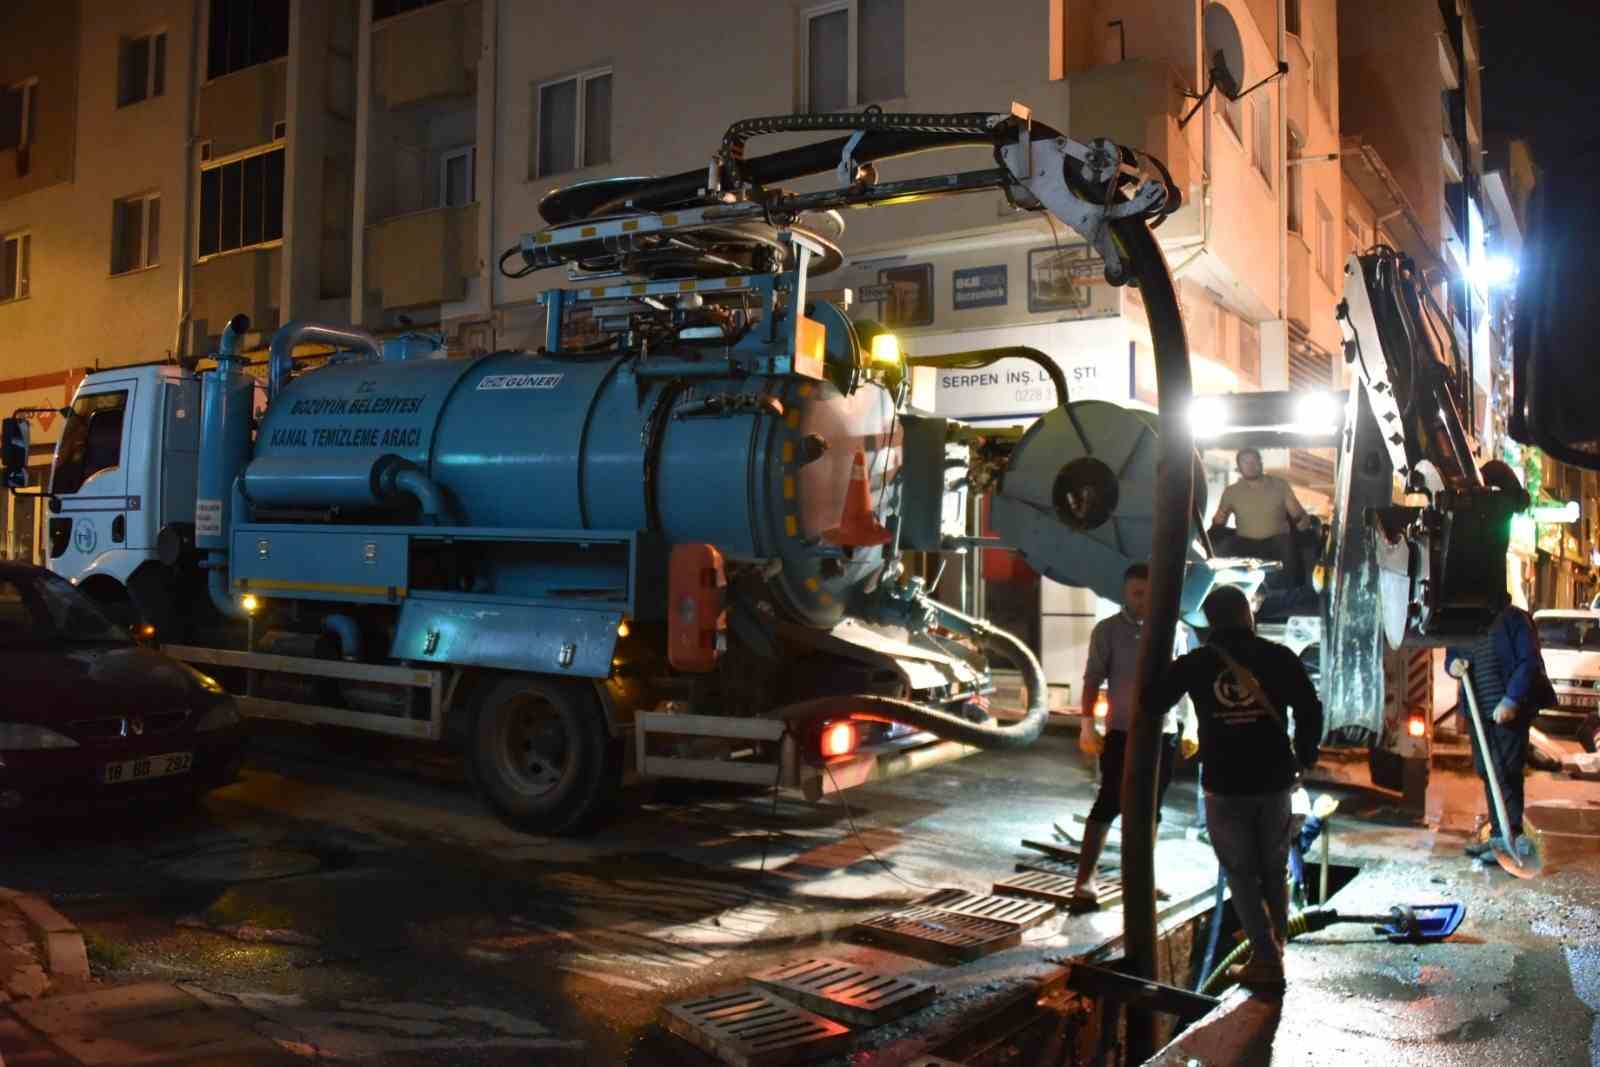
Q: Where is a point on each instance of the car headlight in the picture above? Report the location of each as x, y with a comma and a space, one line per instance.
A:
20, 736
221, 717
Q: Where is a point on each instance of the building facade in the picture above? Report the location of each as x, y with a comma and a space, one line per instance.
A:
369, 161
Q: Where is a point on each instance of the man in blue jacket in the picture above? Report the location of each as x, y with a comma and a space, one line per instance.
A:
1506, 666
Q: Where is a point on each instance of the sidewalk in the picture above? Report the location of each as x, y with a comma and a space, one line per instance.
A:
1519, 983
52, 1015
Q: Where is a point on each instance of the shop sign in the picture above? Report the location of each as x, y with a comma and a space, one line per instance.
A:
979, 287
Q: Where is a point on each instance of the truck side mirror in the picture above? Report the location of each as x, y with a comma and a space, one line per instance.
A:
1555, 365
14, 435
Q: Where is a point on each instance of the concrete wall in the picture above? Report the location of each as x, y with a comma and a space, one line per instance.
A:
78, 313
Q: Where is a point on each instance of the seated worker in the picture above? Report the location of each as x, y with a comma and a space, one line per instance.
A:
1266, 513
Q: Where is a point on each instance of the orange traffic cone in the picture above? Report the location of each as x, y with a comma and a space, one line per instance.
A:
859, 525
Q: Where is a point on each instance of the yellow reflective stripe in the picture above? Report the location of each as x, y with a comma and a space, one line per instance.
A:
254, 584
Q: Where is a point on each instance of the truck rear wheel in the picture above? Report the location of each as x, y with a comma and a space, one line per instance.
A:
541, 754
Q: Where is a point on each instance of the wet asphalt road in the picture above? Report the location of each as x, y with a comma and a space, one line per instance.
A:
353, 893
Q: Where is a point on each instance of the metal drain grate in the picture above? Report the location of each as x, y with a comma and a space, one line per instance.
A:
1056, 889
1007, 909
751, 1028
845, 991
945, 933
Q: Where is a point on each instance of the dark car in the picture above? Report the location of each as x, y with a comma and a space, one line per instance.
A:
88, 716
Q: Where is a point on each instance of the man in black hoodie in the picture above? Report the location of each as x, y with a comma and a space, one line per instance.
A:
1242, 686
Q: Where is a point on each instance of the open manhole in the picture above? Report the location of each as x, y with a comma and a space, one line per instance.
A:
243, 865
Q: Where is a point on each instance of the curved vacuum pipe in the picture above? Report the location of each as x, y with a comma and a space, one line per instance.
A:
343, 629
938, 722
1169, 546
217, 587
281, 363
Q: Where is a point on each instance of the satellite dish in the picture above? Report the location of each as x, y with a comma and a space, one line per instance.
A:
1224, 51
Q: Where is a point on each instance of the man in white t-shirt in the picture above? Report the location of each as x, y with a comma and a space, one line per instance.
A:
1265, 512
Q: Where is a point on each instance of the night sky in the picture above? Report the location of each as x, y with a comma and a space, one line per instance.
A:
1541, 77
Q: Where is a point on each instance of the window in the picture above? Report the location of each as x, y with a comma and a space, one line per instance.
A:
14, 266
241, 203
91, 441
244, 33
1325, 250
456, 170
909, 300
19, 114
382, 9
1357, 231
855, 53
1296, 192
135, 233
1291, 17
574, 123
1261, 143
142, 69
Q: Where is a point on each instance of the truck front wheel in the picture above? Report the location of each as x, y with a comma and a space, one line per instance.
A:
541, 754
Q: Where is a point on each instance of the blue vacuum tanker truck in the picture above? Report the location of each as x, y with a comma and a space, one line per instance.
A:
687, 537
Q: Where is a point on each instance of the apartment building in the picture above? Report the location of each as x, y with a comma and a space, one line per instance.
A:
1412, 147
369, 161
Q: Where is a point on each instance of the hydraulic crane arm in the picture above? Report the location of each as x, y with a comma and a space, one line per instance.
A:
1438, 551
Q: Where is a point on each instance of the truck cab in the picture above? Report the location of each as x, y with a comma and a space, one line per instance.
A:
123, 485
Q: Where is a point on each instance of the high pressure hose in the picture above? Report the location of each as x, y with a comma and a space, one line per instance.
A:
941, 723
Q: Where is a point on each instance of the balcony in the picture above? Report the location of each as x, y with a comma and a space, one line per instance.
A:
428, 54
240, 110
244, 281
423, 258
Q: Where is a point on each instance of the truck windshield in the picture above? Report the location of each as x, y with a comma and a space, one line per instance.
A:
48, 609
91, 441
1580, 633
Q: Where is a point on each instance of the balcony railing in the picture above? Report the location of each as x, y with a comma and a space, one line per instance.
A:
423, 258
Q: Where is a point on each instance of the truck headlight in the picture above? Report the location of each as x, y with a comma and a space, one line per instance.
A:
221, 717
22, 736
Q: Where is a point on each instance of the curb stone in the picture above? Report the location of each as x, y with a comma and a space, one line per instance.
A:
66, 956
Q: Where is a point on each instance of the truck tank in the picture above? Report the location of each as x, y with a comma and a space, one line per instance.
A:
757, 466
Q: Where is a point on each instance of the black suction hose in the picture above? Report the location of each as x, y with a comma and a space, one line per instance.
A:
935, 721
1174, 500
566, 205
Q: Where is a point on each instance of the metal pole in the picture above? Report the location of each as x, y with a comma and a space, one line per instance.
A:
1489, 769
1169, 549
1322, 886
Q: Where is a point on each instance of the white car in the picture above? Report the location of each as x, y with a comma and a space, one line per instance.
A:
1570, 640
